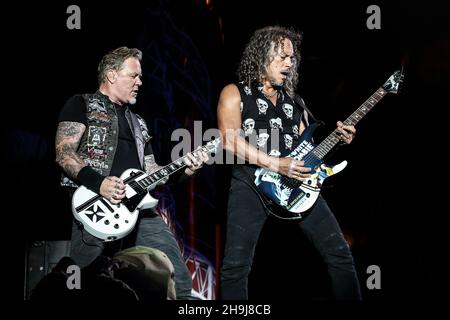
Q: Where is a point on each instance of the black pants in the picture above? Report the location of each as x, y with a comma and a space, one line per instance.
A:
246, 217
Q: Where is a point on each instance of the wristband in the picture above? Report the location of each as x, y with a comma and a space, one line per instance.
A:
90, 178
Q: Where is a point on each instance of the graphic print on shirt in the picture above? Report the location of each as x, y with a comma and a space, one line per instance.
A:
248, 126
96, 136
96, 105
288, 110
288, 141
262, 106
262, 139
275, 123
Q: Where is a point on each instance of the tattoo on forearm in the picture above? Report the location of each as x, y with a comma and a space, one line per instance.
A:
67, 140
150, 164
69, 160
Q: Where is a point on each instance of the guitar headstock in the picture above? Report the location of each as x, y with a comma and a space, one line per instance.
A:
212, 146
394, 83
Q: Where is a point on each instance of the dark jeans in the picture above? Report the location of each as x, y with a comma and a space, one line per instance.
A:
246, 217
151, 231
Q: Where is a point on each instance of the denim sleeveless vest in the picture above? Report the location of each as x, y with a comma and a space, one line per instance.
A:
99, 142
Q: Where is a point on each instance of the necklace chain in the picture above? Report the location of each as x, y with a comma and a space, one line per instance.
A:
268, 96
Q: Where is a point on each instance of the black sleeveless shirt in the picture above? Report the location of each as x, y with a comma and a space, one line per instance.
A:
272, 129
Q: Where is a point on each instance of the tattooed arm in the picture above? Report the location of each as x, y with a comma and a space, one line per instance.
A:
68, 136
151, 166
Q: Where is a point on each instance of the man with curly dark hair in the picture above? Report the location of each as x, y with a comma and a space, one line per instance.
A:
264, 101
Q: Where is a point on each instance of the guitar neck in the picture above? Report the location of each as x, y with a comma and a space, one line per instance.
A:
322, 149
165, 171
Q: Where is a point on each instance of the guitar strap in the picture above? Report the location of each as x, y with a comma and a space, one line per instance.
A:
306, 112
138, 136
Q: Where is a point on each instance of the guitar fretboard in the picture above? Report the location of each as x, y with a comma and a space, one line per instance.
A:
321, 150
166, 171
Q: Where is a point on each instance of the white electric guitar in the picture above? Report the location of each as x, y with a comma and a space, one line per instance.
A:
109, 221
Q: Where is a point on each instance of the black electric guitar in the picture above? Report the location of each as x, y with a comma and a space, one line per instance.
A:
289, 198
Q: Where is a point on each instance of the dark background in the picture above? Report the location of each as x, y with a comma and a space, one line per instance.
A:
391, 200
